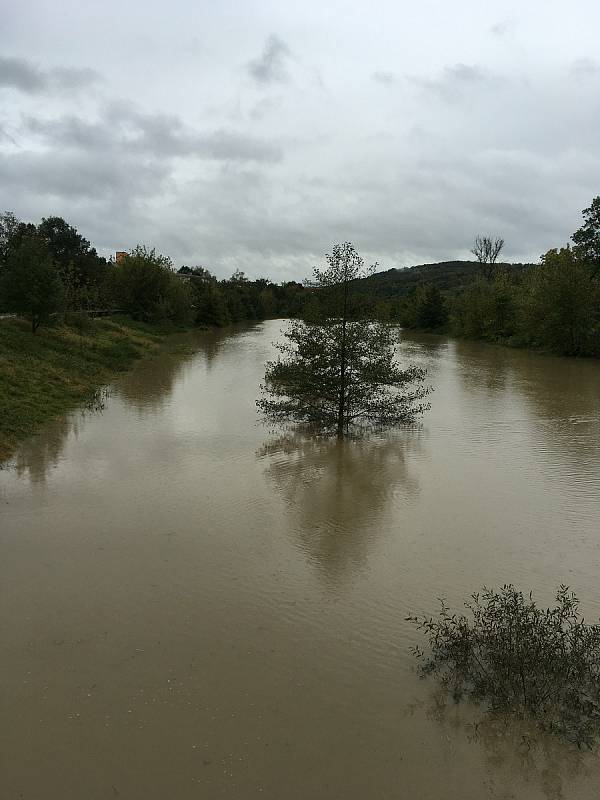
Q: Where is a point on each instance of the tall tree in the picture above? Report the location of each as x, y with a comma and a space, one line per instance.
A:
29, 282
82, 270
66, 245
339, 373
587, 238
344, 266
9, 225
486, 250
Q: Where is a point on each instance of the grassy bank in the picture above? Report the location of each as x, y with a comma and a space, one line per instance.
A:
46, 375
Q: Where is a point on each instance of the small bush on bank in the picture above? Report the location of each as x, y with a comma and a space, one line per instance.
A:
520, 659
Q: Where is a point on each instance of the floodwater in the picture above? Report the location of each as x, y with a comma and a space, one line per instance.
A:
193, 605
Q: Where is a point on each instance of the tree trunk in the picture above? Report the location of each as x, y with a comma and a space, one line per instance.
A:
342, 394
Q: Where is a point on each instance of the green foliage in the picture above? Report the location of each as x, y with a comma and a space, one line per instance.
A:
82, 271
210, 305
424, 307
83, 295
145, 286
290, 298
268, 302
29, 283
344, 265
554, 306
338, 373
178, 303
485, 309
587, 238
9, 225
520, 659
450, 277
207, 298
560, 304
242, 297
306, 385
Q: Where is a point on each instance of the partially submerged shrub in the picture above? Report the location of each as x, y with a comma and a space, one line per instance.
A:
520, 659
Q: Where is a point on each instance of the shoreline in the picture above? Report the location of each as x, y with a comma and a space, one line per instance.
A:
505, 343
61, 367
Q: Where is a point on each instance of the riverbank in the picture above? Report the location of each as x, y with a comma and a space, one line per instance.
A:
43, 376
511, 342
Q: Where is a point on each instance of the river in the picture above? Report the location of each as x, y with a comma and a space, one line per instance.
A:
195, 605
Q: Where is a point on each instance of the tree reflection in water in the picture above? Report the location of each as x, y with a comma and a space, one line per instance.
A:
560, 396
38, 454
149, 385
336, 492
211, 343
516, 753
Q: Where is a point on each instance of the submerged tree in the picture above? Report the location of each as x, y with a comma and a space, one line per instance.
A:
520, 659
338, 372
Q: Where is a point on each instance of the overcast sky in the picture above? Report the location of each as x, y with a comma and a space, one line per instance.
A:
254, 134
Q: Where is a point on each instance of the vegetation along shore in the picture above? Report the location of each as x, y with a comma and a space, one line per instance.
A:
44, 376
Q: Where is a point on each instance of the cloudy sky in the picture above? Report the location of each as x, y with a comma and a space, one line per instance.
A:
253, 134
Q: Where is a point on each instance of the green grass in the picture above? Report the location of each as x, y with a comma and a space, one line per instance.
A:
42, 376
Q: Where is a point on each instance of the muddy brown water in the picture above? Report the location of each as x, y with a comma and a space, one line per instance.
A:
193, 605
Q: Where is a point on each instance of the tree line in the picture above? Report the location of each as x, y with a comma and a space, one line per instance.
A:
553, 305
50, 270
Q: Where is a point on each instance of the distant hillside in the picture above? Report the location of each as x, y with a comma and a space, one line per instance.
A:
446, 275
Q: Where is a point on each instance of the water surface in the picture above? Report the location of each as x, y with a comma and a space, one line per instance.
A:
193, 605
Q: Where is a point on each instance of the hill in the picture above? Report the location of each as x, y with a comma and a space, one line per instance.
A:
446, 275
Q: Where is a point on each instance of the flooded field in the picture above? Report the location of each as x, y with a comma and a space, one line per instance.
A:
194, 605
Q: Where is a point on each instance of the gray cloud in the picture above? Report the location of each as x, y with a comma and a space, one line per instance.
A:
503, 27
240, 217
457, 81
181, 150
75, 175
6, 136
17, 73
585, 68
383, 77
270, 66
124, 129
